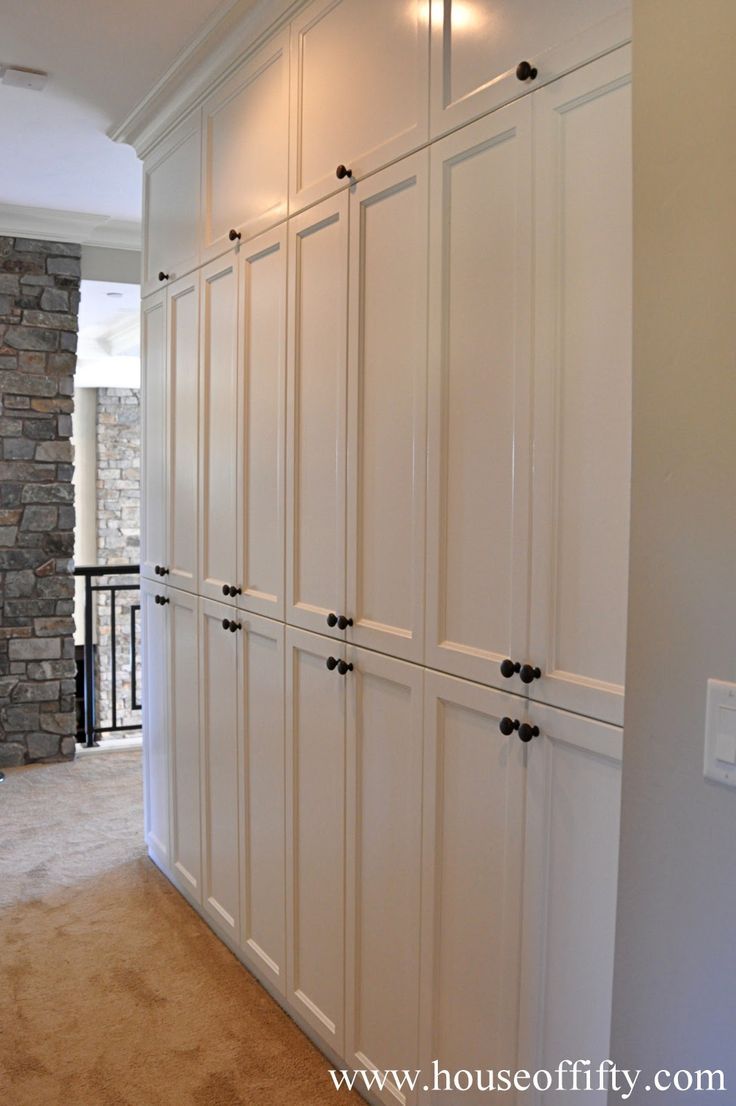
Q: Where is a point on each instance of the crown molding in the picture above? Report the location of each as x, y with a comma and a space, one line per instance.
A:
236, 29
51, 225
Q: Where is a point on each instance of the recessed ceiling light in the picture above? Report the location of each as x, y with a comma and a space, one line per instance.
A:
25, 78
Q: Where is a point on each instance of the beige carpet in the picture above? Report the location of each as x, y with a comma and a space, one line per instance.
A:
112, 991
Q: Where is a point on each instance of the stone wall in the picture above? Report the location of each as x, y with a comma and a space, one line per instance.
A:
118, 542
39, 302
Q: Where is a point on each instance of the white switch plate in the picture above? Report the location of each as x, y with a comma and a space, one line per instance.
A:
720, 733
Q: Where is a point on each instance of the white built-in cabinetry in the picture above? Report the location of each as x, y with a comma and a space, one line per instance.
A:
385, 544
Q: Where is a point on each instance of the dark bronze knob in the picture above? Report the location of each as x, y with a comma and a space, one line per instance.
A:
343, 622
231, 590
508, 725
343, 667
235, 626
529, 674
525, 71
161, 600
509, 668
331, 663
527, 732
234, 235
157, 569
163, 276
331, 619
226, 623
341, 172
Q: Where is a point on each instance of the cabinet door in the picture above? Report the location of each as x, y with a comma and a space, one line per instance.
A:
219, 392
471, 880
570, 884
154, 468
262, 833
387, 389
318, 263
582, 431
183, 431
315, 727
479, 397
155, 720
384, 845
245, 138
221, 767
359, 90
171, 188
477, 46
263, 405
186, 827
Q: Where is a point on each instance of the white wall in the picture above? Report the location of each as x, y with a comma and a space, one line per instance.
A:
675, 999
101, 263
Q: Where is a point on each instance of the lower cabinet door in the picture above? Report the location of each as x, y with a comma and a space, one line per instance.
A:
315, 728
219, 670
571, 869
263, 937
157, 779
186, 825
384, 841
474, 781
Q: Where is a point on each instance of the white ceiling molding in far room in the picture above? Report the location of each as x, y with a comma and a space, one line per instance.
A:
17, 221
108, 355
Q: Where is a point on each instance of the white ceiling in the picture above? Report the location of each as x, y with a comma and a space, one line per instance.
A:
102, 59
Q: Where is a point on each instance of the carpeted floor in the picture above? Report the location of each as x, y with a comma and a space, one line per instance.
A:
112, 991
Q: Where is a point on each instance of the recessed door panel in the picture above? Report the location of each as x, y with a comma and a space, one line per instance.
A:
183, 431
186, 830
156, 745
154, 467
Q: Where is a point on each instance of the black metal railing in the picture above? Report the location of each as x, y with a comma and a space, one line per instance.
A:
89, 573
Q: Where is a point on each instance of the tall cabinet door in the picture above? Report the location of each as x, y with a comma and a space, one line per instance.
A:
171, 188
582, 388
474, 779
183, 400
318, 274
479, 397
221, 766
263, 939
387, 387
154, 387
359, 90
218, 438
263, 417
315, 728
186, 827
384, 844
155, 720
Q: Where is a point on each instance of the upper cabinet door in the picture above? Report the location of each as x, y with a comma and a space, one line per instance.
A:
387, 387
218, 435
183, 400
479, 398
263, 415
317, 344
359, 90
171, 189
154, 388
582, 388
477, 46
245, 149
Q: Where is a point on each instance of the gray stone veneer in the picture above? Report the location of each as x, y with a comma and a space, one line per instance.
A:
39, 302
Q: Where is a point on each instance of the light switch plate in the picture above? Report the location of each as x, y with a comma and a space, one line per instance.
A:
720, 733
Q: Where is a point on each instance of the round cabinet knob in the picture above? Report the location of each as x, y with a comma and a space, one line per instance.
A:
234, 235
163, 276
525, 71
343, 622
331, 620
226, 623
342, 171
225, 589
235, 626
508, 725
527, 732
509, 668
344, 667
529, 674
161, 600
331, 663
231, 590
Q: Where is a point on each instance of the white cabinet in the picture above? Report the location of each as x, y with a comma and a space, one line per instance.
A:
582, 430
387, 387
262, 380
477, 46
359, 90
474, 780
245, 134
185, 753
315, 727
261, 690
316, 435
156, 742
221, 767
171, 191
154, 388
384, 832
218, 428
479, 396
182, 433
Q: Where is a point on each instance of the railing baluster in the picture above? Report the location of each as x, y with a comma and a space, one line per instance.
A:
89, 667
